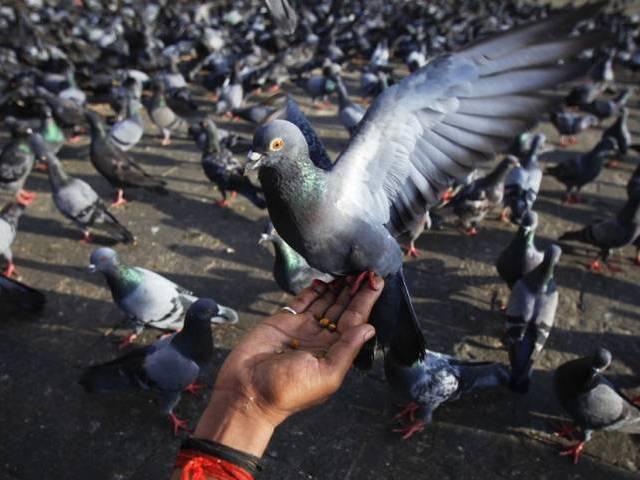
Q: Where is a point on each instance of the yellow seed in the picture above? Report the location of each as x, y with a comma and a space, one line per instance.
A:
332, 327
294, 343
325, 322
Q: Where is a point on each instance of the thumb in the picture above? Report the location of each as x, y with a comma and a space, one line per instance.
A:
340, 356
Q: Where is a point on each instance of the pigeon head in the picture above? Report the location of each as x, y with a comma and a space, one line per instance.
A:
269, 233
276, 142
600, 360
607, 145
103, 259
199, 315
529, 221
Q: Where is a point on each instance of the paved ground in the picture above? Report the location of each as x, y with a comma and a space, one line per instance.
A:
52, 430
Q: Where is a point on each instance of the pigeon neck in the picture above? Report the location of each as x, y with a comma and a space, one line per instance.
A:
498, 175
630, 213
11, 214
195, 342
286, 257
97, 128
52, 132
122, 280
213, 143
57, 176
540, 279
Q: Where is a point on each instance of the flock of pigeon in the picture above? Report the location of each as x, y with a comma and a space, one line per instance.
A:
480, 79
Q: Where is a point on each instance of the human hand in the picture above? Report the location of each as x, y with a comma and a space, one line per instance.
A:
286, 364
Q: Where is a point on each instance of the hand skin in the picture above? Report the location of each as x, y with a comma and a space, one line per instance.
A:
286, 364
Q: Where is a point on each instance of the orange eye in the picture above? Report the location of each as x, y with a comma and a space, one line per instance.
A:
276, 144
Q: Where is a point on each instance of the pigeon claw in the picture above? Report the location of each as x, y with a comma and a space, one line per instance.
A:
119, 201
408, 431
10, 270
573, 199
86, 238
412, 251
636, 401
410, 411
504, 216
42, 167
575, 451
128, 340
25, 198
223, 203
193, 388
471, 232
564, 430
613, 164
447, 195
596, 266
370, 276
165, 142
178, 424
274, 88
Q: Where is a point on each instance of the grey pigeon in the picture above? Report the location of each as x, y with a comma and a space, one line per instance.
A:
435, 125
50, 131
349, 113
284, 15
521, 255
165, 368
530, 315
620, 132
592, 401
9, 218
570, 124
147, 298
15, 295
522, 183
477, 199
231, 93
434, 380
291, 272
577, 169
163, 116
616, 232
608, 108
413, 233
126, 133
80, 203
16, 162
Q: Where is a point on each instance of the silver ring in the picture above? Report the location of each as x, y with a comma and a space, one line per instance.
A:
289, 310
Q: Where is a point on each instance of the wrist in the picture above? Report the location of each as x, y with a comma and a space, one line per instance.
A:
235, 421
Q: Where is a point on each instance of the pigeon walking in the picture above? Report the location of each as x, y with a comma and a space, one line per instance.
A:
126, 133
165, 368
16, 162
9, 218
522, 183
163, 116
148, 299
592, 401
530, 315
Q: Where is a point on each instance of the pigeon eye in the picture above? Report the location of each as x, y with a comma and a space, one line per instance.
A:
276, 144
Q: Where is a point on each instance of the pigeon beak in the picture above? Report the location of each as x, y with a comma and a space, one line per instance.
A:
92, 268
263, 238
225, 315
255, 160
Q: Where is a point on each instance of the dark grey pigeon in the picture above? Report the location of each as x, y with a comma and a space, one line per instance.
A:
434, 380
577, 169
16, 295
570, 124
291, 272
79, 202
616, 232
620, 132
474, 202
165, 368
419, 135
602, 108
232, 141
592, 401
531, 312
148, 299
522, 184
16, 161
521, 255
9, 218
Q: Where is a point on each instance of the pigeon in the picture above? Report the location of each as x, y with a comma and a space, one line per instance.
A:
80, 203
522, 183
521, 255
349, 113
592, 401
414, 231
619, 131
291, 272
50, 131
17, 295
633, 184
616, 232
576, 169
434, 380
584, 94
284, 15
436, 125
126, 133
68, 113
163, 116
569, 123
16, 162
254, 114
9, 218
147, 298
222, 168
476, 200
608, 108
530, 315
231, 92
116, 165
165, 368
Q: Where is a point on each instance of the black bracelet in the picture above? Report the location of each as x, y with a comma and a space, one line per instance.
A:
243, 460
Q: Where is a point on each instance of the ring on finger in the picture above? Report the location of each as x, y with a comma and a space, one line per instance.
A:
289, 310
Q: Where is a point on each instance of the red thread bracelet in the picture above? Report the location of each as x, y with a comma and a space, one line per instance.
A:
198, 466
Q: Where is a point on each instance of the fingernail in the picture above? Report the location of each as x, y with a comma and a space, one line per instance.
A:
369, 334
378, 281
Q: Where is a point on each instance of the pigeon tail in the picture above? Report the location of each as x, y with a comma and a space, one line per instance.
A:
582, 235
116, 229
105, 379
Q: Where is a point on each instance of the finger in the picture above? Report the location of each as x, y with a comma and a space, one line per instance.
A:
359, 308
341, 354
306, 297
320, 306
340, 305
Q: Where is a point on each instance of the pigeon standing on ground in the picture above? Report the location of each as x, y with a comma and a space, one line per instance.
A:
16, 162
163, 116
147, 298
476, 200
570, 124
522, 184
291, 272
417, 137
9, 218
126, 133
349, 113
530, 315
116, 165
620, 132
166, 368
223, 169
616, 232
592, 401
576, 169
437, 379
608, 108
50, 131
